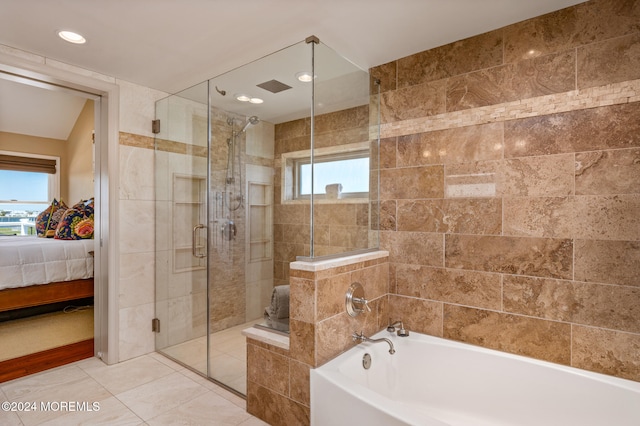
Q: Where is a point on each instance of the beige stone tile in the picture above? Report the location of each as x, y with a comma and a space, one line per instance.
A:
541, 339
615, 217
111, 412
606, 351
466, 216
302, 305
412, 182
135, 339
388, 153
300, 386
296, 233
161, 395
460, 57
208, 408
570, 27
419, 315
417, 101
137, 284
606, 127
68, 383
451, 146
542, 257
388, 215
357, 117
302, 343
349, 237
386, 74
553, 73
291, 129
136, 226
609, 61
275, 409
291, 213
9, 418
374, 279
608, 172
550, 176
330, 295
128, 374
253, 421
268, 369
477, 289
333, 335
227, 369
137, 173
420, 248
608, 306
613, 262
538, 216
334, 214
473, 180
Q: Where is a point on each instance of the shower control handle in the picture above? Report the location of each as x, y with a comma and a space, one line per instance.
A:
194, 237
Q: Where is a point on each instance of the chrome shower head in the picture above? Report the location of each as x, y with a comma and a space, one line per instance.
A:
252, 121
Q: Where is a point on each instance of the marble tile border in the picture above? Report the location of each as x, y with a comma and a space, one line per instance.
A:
610, 94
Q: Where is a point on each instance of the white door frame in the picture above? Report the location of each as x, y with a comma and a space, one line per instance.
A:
33, 67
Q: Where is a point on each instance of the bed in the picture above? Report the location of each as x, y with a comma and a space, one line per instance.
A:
37, 271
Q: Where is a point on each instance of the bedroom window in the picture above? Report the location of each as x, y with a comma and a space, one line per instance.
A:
28, 184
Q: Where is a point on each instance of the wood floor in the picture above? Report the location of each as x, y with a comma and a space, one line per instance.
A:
40, 361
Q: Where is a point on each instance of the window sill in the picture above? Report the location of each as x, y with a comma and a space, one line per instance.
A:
329, 201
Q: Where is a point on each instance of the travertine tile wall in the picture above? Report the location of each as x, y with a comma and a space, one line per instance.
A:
339, 227
278, 379
510, 195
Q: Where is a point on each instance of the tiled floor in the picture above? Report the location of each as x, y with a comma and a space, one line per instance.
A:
148, 390
228, 351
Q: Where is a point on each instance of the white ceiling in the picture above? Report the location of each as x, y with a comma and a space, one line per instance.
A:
34, 111
170, 45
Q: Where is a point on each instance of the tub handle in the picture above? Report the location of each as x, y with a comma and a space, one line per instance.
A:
355, 302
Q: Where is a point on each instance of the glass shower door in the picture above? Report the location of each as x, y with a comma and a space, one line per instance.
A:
181, 170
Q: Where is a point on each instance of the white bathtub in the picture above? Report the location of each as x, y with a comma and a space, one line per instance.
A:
433, 381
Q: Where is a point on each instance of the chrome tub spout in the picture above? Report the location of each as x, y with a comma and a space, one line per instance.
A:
362, 338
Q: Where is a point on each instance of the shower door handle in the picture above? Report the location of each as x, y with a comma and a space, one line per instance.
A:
194, 236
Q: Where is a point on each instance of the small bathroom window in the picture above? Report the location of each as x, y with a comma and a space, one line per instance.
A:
340, 173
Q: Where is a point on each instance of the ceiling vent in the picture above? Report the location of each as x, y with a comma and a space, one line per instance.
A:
274, 86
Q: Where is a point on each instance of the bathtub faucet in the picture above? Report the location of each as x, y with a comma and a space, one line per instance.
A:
402, 332
362, 338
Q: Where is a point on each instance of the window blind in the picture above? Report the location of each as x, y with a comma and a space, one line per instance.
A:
27, 164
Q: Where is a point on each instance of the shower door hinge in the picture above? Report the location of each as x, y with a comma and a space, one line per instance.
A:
155, 126
155, 325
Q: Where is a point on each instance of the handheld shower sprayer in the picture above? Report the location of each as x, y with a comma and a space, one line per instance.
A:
252, 121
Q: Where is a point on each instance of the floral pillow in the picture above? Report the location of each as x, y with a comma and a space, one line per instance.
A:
85, 206
75, 225
47, 221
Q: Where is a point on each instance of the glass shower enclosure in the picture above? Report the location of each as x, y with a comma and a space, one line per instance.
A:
268, 163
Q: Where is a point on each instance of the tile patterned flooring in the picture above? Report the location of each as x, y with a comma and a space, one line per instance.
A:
148, 390
228, 355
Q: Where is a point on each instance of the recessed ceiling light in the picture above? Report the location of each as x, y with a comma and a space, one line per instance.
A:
72, 37
304, 76
256, 100
242, 98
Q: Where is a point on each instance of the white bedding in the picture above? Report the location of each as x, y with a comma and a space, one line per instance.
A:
26, 261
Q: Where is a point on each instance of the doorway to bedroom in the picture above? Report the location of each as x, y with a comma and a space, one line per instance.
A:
48, 184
